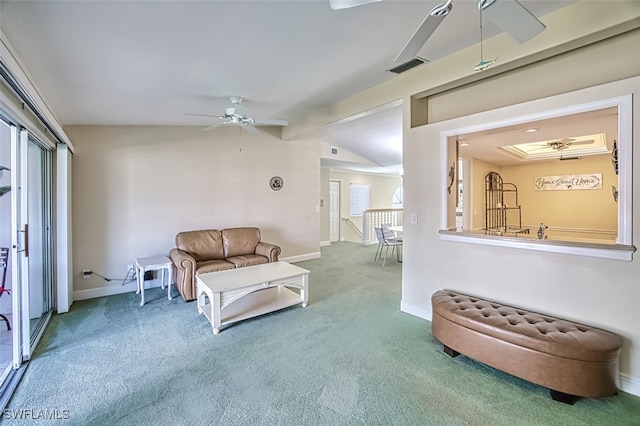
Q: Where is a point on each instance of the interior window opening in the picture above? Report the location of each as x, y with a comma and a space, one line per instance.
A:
528, 180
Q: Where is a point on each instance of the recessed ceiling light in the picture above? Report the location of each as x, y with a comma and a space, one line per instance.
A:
531, 130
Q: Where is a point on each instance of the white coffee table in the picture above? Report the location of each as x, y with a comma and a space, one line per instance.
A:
234, 295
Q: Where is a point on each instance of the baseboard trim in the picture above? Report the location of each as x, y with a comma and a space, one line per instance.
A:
325, 243
112, 290
630, 384
109, 290
301, 257
415, 311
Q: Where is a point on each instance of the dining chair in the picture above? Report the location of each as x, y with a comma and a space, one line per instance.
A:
389, 235
384, 244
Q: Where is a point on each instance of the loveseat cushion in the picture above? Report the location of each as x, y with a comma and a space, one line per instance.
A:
240, 241
213, 266
202, 245
247, 260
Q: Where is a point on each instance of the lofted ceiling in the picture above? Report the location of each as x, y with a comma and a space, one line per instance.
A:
148, 62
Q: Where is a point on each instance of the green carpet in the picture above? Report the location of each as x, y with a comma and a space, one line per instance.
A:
349, 358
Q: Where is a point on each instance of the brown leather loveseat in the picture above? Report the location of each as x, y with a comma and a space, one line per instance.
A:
211, 250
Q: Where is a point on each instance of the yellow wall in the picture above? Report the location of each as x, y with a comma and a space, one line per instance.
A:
569, 210
582, 209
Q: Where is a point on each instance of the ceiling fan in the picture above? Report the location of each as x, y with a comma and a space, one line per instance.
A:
564, 143
513, 18
238, 115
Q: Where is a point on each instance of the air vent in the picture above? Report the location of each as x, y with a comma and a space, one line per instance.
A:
407, 65
334, 150
569, 158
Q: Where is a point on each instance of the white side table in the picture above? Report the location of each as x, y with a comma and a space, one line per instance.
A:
153, 263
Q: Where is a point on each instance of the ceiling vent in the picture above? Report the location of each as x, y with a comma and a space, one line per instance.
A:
407, 65
570, 158
334, 150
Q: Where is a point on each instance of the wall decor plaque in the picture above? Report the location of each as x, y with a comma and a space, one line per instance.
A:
276, 183
569, 182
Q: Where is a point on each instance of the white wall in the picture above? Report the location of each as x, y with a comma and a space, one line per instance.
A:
134, 188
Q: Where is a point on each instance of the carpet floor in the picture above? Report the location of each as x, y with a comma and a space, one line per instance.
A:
351, 357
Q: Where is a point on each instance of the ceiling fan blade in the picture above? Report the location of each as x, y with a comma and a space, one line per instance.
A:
213, 126
249, 128
345, 4
423, 32
269, 122
585, 142
204, 115
513, 18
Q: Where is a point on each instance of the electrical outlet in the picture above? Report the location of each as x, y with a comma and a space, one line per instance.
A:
86, 273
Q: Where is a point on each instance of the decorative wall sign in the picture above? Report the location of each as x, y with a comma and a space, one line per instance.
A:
276, 183
569, 182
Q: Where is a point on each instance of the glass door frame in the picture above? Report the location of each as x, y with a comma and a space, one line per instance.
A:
23, 341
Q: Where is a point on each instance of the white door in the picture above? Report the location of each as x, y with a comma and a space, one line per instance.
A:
334, 210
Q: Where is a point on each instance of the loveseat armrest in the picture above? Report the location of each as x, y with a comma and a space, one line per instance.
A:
270, 251
184, 273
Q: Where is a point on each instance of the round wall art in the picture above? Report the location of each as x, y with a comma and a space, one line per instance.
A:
276, 183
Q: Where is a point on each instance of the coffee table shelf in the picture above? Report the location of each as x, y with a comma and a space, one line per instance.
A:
255, 304
234, 295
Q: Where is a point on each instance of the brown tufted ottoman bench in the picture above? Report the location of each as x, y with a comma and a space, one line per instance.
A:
572, 360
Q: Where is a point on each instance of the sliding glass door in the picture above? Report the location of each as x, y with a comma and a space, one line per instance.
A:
38, 202
26, 286
6, 227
